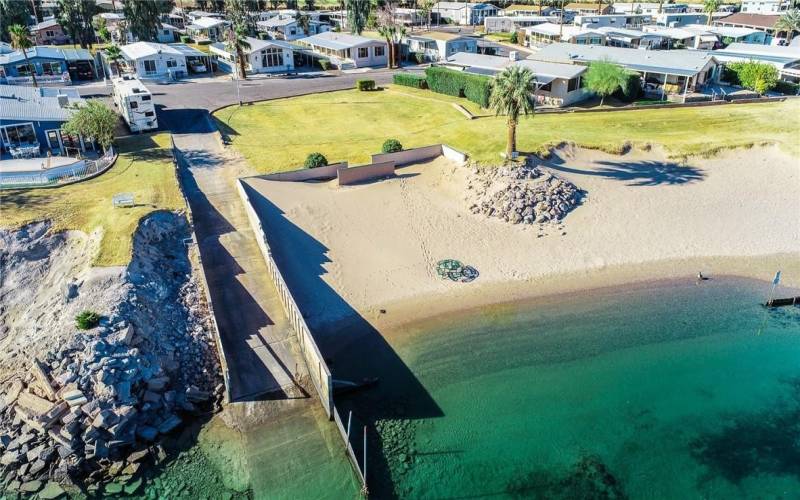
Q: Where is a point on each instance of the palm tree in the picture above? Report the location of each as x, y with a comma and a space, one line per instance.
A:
20, 40
710, 6
114, 54
789, 22
512, 96
304, 21
237, 42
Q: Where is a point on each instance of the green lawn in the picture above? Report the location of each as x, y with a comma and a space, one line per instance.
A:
350, 125
144, 168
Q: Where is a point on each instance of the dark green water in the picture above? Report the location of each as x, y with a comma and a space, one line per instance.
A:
663, 391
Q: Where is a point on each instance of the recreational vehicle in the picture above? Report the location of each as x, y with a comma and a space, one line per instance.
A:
135, 103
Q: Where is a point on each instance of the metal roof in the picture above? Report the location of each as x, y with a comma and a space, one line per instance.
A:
672, 62
145, 49
545, 71
338, 41
36, 104
187, 51
277, 21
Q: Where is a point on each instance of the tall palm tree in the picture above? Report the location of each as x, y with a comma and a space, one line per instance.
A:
237, 42
21, 40
789, 23
513, 95
114, 54
710, 6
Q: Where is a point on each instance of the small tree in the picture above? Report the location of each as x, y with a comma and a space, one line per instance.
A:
709, 7
604, 78
114, 54
315, 160
756, 76
357, 15
514, 37
512, 96
86, 320
95, 120
391, 146
20, 40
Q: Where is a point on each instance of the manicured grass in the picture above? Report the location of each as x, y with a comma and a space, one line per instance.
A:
144, 168
350, 125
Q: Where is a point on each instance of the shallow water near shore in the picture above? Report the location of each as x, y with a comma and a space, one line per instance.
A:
665, 390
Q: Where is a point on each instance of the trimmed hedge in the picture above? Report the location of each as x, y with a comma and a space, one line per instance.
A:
391, 146
315, 160
446, 81
410, 80
364, 85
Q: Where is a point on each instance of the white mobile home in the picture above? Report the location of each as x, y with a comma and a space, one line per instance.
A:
348, 51
207, 28
509, 24
550, 33
154, 60
465, 13
633, 39
263, 56
135, 103
438, 46
615, 20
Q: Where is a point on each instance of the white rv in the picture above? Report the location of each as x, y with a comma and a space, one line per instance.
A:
135, 103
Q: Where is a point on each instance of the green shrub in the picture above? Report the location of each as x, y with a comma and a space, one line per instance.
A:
365, 85
315, 160
630, 89
786, 88
186, 39
476, 88
410, 80
419, 57
757, 76
514, 37
730, 76
391, 146
87, 320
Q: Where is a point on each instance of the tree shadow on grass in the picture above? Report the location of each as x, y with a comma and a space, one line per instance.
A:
353, 348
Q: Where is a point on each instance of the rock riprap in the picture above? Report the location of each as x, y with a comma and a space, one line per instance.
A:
522, 194
92, 409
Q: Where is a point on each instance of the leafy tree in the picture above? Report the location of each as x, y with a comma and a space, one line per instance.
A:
114, 54
236, 11
237, 42
143, 17
604, 78
75, 16
358, 15
512, 96
789, 22
709, 7
304, 22
95, 120
12, 12
315, 160
310, 4
426, 6
21, 40
755, 75
101, 28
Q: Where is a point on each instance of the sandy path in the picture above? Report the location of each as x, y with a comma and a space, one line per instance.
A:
375, 246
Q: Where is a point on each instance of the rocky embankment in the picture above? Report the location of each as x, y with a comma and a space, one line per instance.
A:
87, 409
521, 194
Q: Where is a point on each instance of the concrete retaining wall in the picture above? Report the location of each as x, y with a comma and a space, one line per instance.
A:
308, 174
315, 363
354, 175
453, 154
201, 271
410, 155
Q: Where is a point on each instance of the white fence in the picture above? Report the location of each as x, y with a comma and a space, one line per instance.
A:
81, 169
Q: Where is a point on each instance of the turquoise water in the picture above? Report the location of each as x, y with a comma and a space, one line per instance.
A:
662, 391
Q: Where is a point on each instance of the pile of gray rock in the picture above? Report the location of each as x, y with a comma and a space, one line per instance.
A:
93, 410
522, 194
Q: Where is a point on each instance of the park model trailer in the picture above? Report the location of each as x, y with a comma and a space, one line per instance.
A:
135, 103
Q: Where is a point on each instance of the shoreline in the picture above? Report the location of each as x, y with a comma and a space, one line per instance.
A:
468, 298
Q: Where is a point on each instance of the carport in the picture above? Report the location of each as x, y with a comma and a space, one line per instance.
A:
194, 57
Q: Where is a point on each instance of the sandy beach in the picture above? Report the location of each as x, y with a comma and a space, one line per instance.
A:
375, 246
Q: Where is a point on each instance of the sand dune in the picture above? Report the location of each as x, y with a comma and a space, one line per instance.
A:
375, 246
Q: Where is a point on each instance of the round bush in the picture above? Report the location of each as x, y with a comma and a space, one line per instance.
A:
315, 160
87, 320
391, 146
514, 37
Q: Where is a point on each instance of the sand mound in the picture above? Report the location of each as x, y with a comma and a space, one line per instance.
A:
521, 194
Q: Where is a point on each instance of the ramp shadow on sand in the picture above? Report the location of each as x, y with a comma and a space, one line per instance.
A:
353, 348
